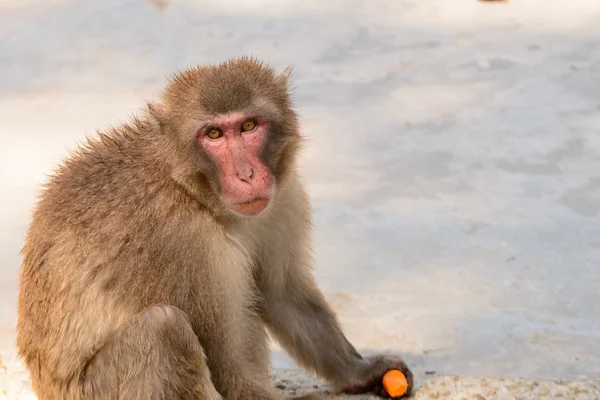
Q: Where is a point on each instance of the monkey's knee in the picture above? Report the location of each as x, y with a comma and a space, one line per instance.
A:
164, 318
171, 329
157, 356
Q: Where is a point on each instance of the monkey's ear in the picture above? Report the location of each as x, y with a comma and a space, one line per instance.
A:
157, 110
285, 77
157, 113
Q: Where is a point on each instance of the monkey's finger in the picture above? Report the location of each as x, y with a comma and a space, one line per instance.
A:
380, 391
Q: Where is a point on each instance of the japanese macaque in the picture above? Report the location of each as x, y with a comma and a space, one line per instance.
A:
162, 252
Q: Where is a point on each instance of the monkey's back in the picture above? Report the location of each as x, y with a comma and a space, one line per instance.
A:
98, 250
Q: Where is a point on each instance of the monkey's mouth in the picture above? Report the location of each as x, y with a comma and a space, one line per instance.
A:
251, 207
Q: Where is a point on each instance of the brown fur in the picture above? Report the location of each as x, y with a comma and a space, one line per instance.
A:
137, 282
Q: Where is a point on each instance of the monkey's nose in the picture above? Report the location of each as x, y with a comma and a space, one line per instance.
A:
246, 176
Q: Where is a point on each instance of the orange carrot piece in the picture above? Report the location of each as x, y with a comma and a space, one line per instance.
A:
395, 383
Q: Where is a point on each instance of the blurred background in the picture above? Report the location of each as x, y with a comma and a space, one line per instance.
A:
453, 155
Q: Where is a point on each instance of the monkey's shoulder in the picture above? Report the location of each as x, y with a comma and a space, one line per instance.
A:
103, 174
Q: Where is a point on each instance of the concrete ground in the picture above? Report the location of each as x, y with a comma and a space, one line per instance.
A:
453, 160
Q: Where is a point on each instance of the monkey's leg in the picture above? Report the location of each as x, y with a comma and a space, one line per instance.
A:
156, 356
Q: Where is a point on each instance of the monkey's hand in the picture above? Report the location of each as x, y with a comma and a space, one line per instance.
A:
371, 371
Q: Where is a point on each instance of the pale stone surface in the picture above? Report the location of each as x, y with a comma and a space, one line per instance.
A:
454, 387
453, 156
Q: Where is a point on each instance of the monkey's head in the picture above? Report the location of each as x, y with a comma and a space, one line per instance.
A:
231, 134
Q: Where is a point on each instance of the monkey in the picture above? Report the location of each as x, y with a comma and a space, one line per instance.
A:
162, 253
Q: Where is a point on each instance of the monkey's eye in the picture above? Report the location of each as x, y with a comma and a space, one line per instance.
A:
214, 133
248, 125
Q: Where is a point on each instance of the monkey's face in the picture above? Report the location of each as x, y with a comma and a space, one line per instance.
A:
235, 133
235, 142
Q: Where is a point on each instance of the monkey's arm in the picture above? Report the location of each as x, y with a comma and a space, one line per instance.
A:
302, 321
305, 325
298, 315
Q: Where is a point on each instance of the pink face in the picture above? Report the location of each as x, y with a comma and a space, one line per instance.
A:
235, 142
